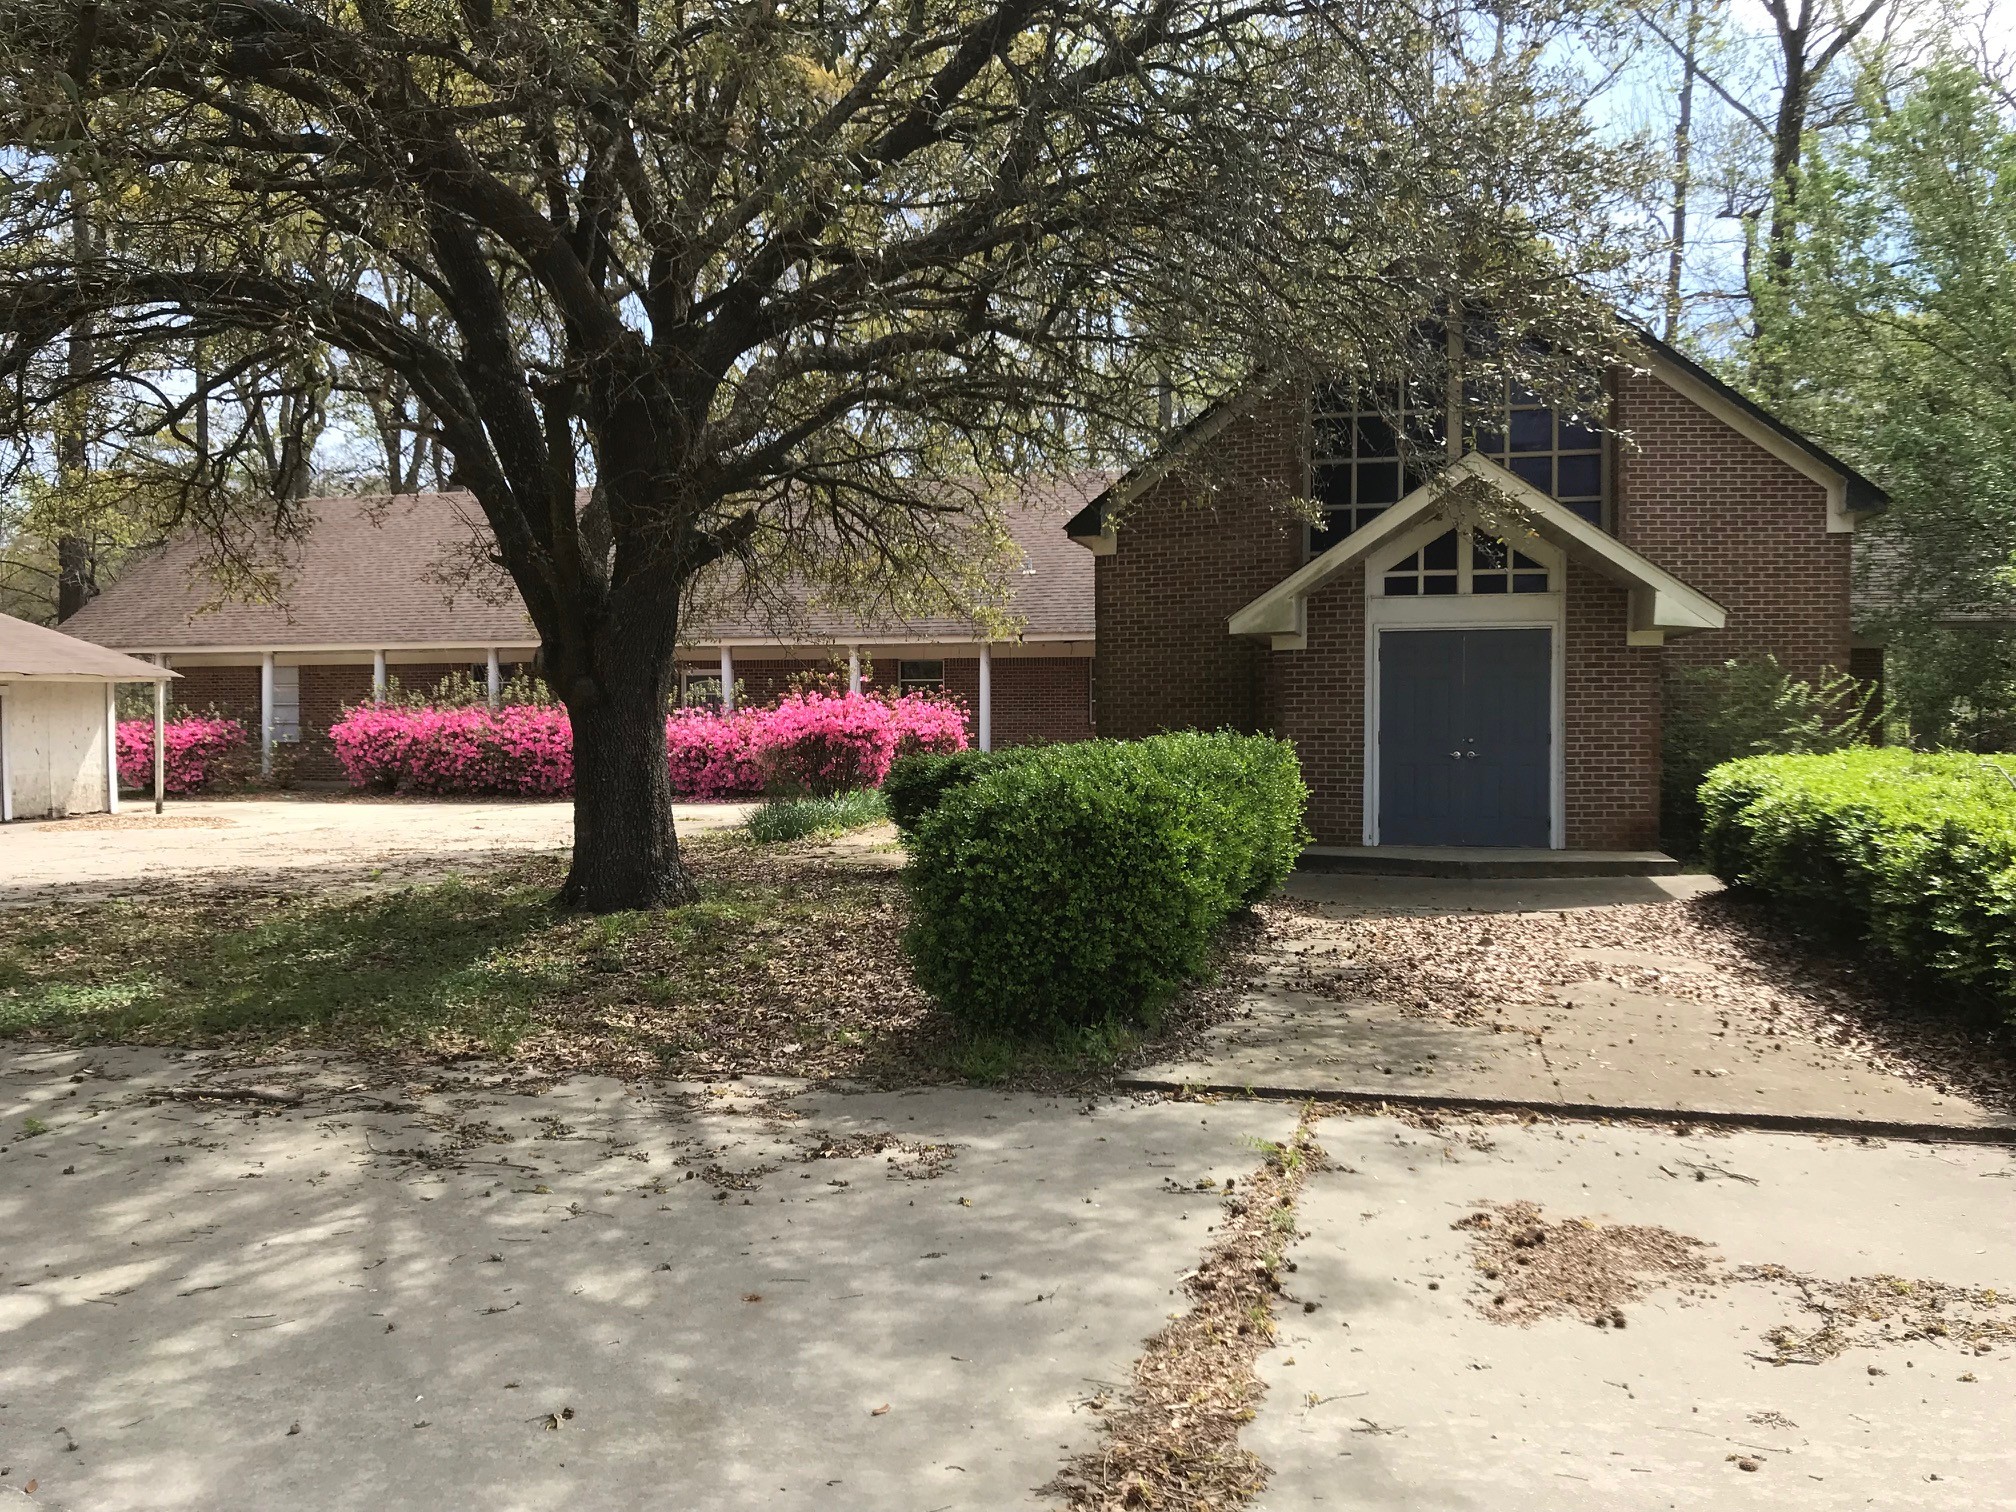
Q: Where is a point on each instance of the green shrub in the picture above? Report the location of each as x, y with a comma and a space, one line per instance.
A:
1916, 853
802, 818
1745, 708
916, 784
1080, 885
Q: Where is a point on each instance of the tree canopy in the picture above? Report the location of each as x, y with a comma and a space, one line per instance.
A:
675, 282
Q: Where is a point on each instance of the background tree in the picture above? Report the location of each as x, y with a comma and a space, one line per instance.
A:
746, 281
1900, 319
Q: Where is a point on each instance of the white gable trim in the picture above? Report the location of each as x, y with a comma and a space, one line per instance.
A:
1840, 519
1661, 605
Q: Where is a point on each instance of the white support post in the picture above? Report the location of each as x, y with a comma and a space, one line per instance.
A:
496, 679
986, 697
266, 716
377, 677
111, 748
727, 680
6, 771
853, 669
160, 738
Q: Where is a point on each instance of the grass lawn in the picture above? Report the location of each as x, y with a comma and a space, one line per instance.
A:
791, 963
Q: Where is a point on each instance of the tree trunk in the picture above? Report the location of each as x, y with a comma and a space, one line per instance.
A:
1683, 176
76, 581
625, 852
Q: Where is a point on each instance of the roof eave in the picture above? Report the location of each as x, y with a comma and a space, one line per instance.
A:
1661, 605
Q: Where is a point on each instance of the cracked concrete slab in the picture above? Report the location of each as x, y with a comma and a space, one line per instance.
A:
468, 1295
1397, 1391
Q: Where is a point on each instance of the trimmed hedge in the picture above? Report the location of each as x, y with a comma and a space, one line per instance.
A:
1080, 884
917, 784
1916, 852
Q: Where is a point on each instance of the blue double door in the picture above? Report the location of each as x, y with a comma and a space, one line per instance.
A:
1466, 737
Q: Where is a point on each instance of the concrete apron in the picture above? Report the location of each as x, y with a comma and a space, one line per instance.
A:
497, 1300
1601, 1050
1397, 1390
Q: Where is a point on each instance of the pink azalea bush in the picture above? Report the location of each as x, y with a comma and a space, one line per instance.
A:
199, 751
714, 755
808, 743
525, 750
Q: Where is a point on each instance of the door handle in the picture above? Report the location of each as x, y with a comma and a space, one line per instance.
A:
1471, 754
1455, 755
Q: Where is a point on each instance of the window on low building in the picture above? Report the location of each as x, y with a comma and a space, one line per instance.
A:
286, 704
920, 676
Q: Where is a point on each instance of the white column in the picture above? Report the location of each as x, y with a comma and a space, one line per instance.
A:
496, 676
6, 771
160, 737
266, 715
727, 680
111, 748
377, 677
986, 698
853, 669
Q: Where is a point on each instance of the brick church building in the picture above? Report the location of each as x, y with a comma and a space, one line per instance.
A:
1469, 652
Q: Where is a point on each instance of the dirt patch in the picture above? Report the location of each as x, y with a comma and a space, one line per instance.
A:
1866, 1311
137, 822
905, 1159
1529, 1268
1719, 951
1171, 1441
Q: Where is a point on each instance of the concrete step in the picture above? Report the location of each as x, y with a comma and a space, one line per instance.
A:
1485, 861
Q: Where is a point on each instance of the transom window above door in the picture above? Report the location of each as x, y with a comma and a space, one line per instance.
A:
1465, 560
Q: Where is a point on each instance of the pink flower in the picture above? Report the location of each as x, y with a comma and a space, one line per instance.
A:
809, 742
197, 752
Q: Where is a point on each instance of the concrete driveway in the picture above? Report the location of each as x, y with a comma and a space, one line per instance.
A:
250, 839
719, 1297
1401, 1390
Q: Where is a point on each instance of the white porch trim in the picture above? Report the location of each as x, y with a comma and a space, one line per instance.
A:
1661, 605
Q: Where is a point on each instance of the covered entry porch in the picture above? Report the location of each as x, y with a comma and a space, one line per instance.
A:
1476, 669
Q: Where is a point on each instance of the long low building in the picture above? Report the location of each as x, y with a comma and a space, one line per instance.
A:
376, 591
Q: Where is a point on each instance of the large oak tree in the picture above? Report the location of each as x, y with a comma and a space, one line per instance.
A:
728, 284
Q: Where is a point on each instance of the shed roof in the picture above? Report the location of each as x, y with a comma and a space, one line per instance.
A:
374, 572
37, 653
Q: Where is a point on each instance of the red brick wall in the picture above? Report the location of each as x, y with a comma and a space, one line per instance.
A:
231, 691
1197, 546
1725, 516
1610, 721
1317, 700
324, 692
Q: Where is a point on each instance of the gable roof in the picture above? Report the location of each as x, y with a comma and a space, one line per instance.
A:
374, 573
1661, 605
1851, 495
35, 653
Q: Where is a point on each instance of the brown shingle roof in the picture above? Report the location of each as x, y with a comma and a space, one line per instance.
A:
374, 573
36, 651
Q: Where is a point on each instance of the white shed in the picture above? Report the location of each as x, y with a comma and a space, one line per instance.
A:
58, 754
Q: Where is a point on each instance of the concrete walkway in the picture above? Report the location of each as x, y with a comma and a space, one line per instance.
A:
246, 841
590, 1298
1597, 1045
1397, 1390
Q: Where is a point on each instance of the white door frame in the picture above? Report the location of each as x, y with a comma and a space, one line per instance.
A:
1464, 611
